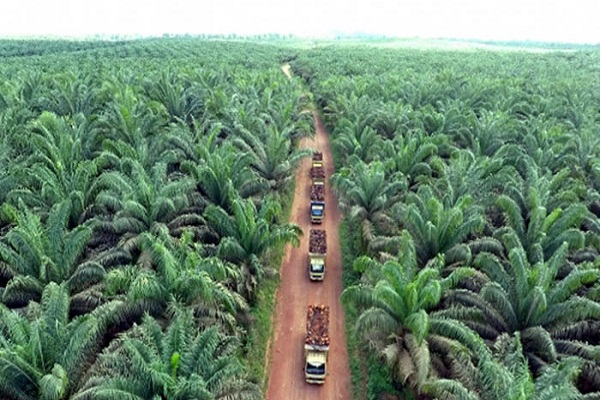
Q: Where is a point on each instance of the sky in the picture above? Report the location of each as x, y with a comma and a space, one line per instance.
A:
572, 21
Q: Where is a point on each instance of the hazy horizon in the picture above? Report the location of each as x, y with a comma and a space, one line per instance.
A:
509, 20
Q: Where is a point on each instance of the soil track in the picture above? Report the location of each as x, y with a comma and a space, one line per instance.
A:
286, 70
296, 292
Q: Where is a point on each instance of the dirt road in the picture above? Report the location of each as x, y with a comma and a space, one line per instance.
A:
296, 292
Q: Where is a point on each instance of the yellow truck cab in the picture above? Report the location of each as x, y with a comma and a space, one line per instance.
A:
316, 344
316, 366
317, 251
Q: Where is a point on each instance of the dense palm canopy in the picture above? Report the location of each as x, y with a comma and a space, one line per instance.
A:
177, 273
179, 363
503, 373
540, 225
273, 156
497, 156
142, 177
440, 226
534, 300
45, 358
33, 254
56, 168
366, 192
221, 171
247, 234
397, 297
146, 202
136, 179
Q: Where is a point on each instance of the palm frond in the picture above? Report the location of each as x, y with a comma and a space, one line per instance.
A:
448, 389
537, 339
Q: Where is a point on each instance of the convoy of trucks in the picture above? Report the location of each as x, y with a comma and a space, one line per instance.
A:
317, 189
317, 251
316, 343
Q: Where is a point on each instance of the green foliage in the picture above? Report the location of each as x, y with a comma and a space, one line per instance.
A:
496, 151
503, 373
247, 234
258, 345
47, 356
379, 379
365, 192
34, 254
114, 165
533, 300
394, 304
122, 178
440, 227
179, 363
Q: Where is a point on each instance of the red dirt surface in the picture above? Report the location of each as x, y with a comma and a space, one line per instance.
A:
286, 70
297, 292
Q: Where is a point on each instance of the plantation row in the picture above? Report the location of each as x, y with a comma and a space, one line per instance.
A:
471, 187
140, 187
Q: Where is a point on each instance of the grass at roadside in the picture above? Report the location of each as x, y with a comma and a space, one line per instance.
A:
259, 337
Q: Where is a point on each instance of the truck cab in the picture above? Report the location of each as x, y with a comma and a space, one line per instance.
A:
315, 369
317, 159
316, 268
316, 344
317, 209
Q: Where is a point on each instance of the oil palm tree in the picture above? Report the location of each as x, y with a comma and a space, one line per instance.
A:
392, 120
57, 168
146, 202
395, 307
356, 139
413, 156
540, 300
8, 179
130, 127
34, 253
33, 92
543, 215
246, 235
182, 100
439, 227
367, 193
181, 362
481, 178
73, 93
45, 358
175, 272
224, 172
504, 373
273, 156
493, 129
581, 149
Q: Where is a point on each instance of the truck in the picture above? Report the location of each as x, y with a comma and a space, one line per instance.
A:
317, 189
317, 251
317, 203
317, 159
317, 174
316, 343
